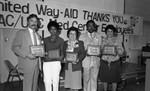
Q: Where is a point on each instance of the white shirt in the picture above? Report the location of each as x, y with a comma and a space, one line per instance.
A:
94, 39
32, 36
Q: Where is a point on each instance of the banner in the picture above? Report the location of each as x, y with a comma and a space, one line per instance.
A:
13, 14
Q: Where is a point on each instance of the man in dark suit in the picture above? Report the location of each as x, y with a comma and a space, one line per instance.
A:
28, 62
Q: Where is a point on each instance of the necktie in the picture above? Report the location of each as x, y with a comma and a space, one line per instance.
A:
91, 39
34, 38
91, 36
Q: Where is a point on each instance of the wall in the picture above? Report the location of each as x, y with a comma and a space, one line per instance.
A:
0, 54
139, 8
6, 53
115, 6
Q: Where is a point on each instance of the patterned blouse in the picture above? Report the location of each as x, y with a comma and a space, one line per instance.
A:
71, 46
119, 49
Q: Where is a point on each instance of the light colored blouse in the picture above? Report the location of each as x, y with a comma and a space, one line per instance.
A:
72, 45
112, 41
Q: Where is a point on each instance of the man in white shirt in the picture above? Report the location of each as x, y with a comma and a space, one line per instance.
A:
28, 62
91, 63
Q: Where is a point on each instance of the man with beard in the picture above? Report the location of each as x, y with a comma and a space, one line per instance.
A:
91, 63
28, 62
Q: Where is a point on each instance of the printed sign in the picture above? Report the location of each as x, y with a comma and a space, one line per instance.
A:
13, 14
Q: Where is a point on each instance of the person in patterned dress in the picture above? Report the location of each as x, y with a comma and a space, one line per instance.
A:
73, 69
111, 50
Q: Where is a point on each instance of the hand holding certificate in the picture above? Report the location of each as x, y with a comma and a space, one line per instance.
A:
109, 50
54, 54
71, 57
93, 50
37, 50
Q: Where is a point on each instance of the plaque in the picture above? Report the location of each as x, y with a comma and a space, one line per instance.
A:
93, 50
71, 57
54, 54
38, 50
109, 50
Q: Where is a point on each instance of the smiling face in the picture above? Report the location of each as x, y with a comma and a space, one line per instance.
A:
32, 23
90, 27
53, 30
110, 33
72, 35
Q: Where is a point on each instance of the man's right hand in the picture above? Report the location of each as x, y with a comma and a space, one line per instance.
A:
87, 53
31, 56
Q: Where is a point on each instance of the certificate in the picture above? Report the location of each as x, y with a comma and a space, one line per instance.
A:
71, 57
38, 50
93, 50
54, 54
109, 50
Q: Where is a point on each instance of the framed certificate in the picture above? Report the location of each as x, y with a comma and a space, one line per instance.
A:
38, 50
93, 50
109, 50
54, 54
71, 57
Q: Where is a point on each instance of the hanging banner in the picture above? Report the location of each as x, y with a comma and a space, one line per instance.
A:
13, 14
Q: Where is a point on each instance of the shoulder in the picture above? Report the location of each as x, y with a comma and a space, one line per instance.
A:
104, 39
81, 42
61, 39
98, 34
65, 41
46, 38
21, 32
83, 35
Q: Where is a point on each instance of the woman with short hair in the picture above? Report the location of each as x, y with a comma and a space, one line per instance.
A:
73, 68
110, 59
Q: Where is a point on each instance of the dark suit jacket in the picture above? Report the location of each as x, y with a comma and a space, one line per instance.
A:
81, 55
21, 47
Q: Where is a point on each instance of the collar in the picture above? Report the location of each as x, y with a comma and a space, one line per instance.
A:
50, 38
91, 35
31, 30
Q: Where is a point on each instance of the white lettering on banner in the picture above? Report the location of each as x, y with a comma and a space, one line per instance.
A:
13, 14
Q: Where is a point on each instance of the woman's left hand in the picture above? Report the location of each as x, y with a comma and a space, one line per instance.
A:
76, 62
120, 52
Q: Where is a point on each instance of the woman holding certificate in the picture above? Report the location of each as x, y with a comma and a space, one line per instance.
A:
74, 54
52, 63
111, 49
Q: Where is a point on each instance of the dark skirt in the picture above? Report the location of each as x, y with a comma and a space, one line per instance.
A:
110, 74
